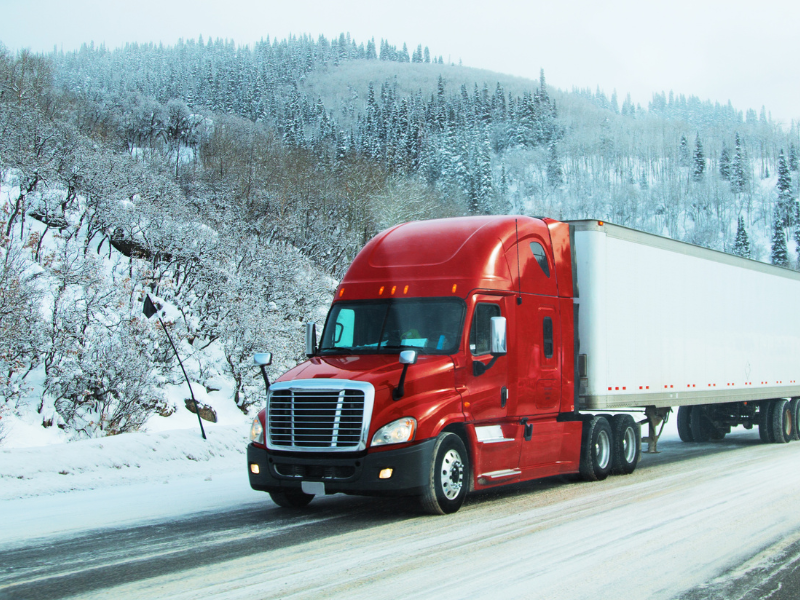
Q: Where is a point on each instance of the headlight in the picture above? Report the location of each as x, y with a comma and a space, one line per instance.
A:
395, 432
256, 432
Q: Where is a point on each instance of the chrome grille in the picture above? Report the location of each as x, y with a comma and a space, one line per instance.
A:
319, 415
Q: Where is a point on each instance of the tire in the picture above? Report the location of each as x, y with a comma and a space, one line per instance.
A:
685, 423
698, 424
448, 479
765, 421
626, 444
596, 447
782, 421
796, 417
291, 498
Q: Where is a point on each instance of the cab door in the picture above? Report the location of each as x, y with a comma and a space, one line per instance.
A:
491, 391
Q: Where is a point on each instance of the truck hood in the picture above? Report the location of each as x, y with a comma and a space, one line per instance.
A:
381, 370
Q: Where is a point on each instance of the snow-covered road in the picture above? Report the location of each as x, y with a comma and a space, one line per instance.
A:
691, 517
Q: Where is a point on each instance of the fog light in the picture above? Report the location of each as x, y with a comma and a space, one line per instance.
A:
254, 469
385, 473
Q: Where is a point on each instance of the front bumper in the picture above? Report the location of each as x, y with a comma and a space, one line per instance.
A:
411, 470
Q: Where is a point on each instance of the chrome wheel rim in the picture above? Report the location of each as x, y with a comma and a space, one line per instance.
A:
629, 445
602, 449
452, 474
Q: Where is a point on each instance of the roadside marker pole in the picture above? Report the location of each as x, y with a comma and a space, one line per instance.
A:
149, 309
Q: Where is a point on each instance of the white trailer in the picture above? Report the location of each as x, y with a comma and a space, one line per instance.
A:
665, 323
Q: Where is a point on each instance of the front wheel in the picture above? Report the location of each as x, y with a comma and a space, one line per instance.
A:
448, 480
291, 498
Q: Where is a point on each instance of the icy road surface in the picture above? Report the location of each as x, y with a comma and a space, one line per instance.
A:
715, 520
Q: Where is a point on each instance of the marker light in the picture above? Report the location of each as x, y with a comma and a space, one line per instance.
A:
394, 287
254, 469
405, 290
380, 291
341, 292
455, 286
396, 432
385, 473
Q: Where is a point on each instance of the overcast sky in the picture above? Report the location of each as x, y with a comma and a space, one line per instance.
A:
747, 52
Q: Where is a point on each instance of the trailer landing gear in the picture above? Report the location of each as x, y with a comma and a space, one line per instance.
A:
654, 418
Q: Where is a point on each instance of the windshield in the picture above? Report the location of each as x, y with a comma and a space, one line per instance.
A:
432, 326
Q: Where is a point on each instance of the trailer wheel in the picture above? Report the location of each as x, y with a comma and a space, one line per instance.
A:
448, 481
291, 498
626, 444
698, 425
765, 421
596, 449
685, 423
794, 403
782, 421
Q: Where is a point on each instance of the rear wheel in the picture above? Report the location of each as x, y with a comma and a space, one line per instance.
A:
595, 462
782, 421
796, 418
765, 421
291, 498
448, 481
685, 424
626, 444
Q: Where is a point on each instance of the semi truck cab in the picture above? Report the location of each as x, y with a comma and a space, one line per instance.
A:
447, 364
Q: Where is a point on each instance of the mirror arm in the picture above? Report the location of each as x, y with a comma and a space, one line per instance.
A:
478, 368
264, 375
399, 391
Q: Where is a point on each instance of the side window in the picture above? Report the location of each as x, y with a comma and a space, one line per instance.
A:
547, 329
541, 257
481, 332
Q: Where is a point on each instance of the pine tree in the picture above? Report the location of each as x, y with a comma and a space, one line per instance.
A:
725, 163
780, 253
742, 245
699, 160
427, 54
739, 176
785, 207
683, 152
555, 174
792, 157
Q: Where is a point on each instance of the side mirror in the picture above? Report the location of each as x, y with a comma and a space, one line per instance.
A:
408, 357
311, 339
497, 345
262, 359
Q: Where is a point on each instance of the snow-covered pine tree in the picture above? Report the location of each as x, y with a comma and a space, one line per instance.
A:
741, 246
792, 157
555, 174
785, 206
739, 175
699, 160
780, 253
725, 163
683, 152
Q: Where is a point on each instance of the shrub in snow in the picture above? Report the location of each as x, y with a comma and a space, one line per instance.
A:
20, 330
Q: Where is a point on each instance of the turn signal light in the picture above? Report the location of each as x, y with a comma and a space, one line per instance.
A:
385, 473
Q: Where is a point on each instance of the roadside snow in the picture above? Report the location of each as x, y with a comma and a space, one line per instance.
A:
119, 460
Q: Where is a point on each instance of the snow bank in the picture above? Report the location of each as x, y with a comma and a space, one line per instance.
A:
120, 460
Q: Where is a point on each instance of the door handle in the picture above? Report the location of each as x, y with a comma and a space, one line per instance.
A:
503, 396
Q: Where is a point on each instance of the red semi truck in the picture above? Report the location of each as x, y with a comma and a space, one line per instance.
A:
463, 354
